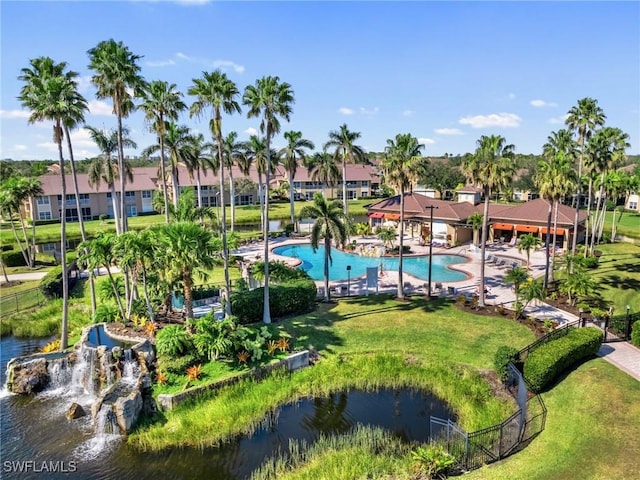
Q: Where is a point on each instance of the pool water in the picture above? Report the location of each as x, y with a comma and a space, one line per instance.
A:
418, 266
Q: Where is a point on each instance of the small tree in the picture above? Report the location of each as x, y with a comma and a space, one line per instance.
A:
475, 221
388, 235
527, 243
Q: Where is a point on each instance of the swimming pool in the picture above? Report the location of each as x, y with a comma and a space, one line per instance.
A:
313, 264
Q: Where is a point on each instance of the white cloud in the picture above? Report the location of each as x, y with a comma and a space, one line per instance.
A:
14, 114
369, 111
84, 83
221, 64
408, 113
251, 131
98, 107
542, 103
192, 3
19, 148
448, 131
345, 111
511, 96
160, 63
426, 141
558, 120
504, 120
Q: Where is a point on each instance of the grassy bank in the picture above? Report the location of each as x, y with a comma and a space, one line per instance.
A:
628, 225
364, 343
618, 276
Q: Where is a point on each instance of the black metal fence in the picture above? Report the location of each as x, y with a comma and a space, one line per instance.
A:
472, 450
617, 328
20, 301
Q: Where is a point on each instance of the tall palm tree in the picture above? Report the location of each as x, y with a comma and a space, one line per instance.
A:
343, 141
104, 168
583, 119
232, 150
492, 167
216, 91
329, 225
291, 155
196, 161
402, 164
606, 148
323, 168
161, 102
269, 99
256, 155
188, 250
53, 95
116, 73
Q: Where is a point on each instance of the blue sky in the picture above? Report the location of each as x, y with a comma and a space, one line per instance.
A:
446, 72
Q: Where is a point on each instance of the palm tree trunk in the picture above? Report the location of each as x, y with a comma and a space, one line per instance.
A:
292, 211
199, 188
116, 293
64, 335
483, 247
546, 247
344, 187
574, 240
596, 217
187, 290
74, 176
4, 270
123, 177
327, 252
146, 296
266, 312
114, 205
176, 185
261, 200
232, 195
586, 233
30, 261
553, 250
225, 249
25, 254
401, 245
613, 226
33, 231
163, 174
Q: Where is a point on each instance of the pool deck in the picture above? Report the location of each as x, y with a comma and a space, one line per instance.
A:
388, 281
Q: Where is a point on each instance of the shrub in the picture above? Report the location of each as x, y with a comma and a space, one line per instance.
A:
106, 312
205, 292
550, 360
433, 461
13, 258
51, 283
289, 229
503, 356
289, 298
173, 341
177, 365
635, 334
590, 262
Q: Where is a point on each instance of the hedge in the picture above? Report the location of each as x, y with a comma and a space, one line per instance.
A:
547, 362
635, 334
503, 356
13, 258
51, 283
293, 297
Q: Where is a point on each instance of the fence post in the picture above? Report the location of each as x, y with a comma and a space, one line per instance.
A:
628, 320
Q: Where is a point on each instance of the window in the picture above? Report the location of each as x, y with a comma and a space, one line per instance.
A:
71, 214
297, 184
84, 199
365, 183
147, 194
43, 200
244, 199
309, 196
44, 215
633, 205
131, 211
86, 213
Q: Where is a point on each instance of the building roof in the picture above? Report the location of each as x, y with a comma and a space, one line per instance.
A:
470, 189
52, 183
537, 211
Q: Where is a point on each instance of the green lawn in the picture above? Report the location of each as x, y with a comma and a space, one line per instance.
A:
628, 224
618, 276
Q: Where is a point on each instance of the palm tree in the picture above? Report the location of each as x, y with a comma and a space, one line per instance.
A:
53, 95
292, 154
15, 191
323, 168
606, 149
233, 152
162, 103
343, 140
329, 224
216, 91
116, 73
195, 161
270, 99
188, 250
103, 167
527, 243
582, 119
516, 276
491, 167
476, 220
402, 164
256, 154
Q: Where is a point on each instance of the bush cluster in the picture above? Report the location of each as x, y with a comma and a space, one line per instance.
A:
297, 296
503, 356
13, 258
550, 360
635, 334
51, 283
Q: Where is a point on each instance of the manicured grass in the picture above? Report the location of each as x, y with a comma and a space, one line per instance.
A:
593, 421
365, 343
17, 287
628, 225
618, 276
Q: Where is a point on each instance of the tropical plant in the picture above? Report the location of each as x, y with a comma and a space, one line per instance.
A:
388, 235
216, 91
213, 338
526, 243
476, 220
173, 341
516, 277
529, 291
328, 225
432, 460
50, 94
402, 165
492, 167
161, 103
233, 152
15, 191
579, 284
270, 99
196, 161
583, 119
291, 156
324, 168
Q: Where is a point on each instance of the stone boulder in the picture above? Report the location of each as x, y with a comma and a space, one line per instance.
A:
27, 377
75, 411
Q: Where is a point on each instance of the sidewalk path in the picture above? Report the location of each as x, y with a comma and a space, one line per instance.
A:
23, 277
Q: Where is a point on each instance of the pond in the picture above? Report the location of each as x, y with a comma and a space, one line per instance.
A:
35, 429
